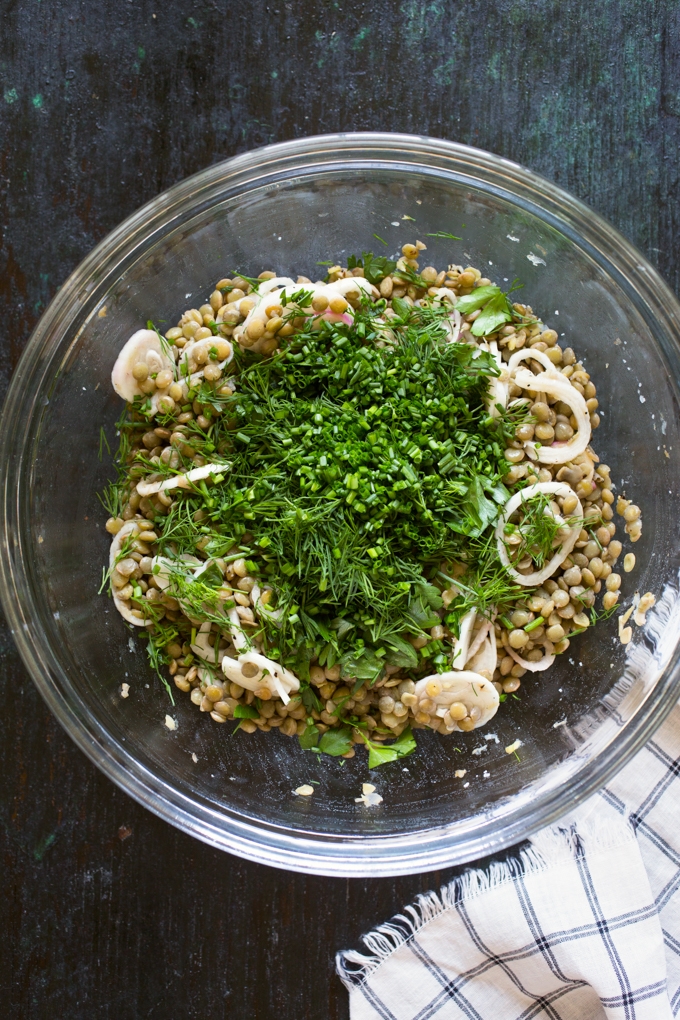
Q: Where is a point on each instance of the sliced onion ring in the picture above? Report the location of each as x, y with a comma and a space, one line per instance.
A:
545, 382
536, 578
498, 385
476, 644
528, 354
114, 553
534, 667
460, 651
484, 659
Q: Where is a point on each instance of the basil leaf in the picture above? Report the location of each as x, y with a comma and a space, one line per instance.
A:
377, 268
303, 658
379, 755
211, 576
479, 511
422, 615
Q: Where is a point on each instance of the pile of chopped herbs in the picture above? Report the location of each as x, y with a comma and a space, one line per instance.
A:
360, 466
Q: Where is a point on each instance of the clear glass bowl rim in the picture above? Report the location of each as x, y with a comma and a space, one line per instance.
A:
309, 852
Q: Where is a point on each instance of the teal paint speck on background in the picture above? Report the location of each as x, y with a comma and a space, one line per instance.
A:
358, 40
37, 101
11, 96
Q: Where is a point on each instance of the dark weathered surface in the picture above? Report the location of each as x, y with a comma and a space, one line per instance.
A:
103, 104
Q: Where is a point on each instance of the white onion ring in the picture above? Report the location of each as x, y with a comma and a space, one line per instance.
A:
536, 578
284, 286
114, 551
239, 639
455, 319
478, 641
274, 283
484, 660
272, 675
460, 652
498, 385
528, 354
182, 481
545, 382
533, 667
472, 689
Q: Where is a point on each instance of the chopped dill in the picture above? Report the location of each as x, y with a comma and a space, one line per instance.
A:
357, 473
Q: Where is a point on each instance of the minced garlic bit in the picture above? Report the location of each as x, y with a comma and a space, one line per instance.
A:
459, 773
511, 748
170, 722
369, 798
644, 605
629, 562
125, 690
625, 633
304, 791
193, 757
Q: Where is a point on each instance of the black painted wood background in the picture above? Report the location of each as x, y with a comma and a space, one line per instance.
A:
107, 912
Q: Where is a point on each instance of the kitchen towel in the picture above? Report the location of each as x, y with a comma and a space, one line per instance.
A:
583, 925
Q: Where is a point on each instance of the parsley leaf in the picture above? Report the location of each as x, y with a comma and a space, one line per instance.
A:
400, 653
495, 314
245, 712
380, 754
336, 742
375, 267
479, 297
308, 739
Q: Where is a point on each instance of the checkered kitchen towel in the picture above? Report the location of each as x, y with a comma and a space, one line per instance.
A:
585, 925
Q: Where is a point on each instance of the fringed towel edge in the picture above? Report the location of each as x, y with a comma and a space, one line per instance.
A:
548, 848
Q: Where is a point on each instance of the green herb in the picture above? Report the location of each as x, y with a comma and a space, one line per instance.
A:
381, 239
442, 233
375, 267
103, 443
336, 742
538, 530
308, 739
380, 754
495, 304
358, 461
253, 281
246, 712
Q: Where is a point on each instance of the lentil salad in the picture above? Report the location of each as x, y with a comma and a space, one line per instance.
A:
358, 507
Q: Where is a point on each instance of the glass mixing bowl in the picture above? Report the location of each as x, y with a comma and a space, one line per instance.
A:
287, 207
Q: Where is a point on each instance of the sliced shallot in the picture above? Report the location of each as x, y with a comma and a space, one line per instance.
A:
484, 659
468, 688
182, 481
460, 650
114, 554
272, 675
537, 577
534, 667
546, 382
